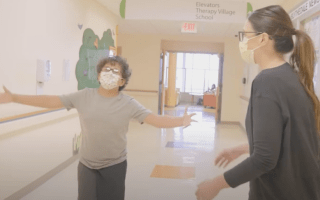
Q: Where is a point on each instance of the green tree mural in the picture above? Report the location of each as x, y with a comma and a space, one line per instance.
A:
91, 51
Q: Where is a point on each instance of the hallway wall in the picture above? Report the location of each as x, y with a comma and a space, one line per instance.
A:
289, 5
37, 29
31, 30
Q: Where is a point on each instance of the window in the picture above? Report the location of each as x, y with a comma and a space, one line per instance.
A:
196, 73
180, 74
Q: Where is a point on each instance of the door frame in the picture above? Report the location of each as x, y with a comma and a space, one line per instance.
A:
220, 88
162, 84
160, 109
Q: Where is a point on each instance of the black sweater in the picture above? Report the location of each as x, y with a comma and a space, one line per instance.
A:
284, 145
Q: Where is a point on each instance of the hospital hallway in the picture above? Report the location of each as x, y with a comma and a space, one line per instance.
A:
162, 163
60, 57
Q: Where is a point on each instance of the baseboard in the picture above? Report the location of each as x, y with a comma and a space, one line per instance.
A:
230, 122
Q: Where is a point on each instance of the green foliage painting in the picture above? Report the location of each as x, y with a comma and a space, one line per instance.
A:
91, 51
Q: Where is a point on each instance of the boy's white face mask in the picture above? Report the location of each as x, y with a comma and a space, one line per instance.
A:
109, 80
247, 55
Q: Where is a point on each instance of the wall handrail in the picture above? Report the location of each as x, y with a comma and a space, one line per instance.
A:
26, 115
134, 90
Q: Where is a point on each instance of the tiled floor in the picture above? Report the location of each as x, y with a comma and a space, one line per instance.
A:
173, 172
165, 164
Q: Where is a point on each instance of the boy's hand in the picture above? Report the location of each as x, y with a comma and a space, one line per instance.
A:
6, 97
187, 118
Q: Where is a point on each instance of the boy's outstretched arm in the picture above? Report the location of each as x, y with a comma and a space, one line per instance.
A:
170, 121
44, 101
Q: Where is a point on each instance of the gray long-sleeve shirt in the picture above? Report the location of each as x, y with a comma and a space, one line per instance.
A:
284, 145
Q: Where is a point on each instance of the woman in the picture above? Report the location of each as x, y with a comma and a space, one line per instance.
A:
104, 114
283, 118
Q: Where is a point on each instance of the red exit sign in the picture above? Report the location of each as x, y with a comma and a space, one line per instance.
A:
189, 28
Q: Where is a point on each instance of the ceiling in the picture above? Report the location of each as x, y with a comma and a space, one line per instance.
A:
170, 27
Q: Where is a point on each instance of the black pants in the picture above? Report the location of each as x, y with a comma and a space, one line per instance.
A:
102, 184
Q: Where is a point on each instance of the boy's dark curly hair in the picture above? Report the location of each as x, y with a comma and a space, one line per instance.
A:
125, 71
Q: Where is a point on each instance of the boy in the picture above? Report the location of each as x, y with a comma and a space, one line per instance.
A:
104, 113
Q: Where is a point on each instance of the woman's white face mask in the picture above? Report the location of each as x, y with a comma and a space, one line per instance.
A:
247, 55
109, 80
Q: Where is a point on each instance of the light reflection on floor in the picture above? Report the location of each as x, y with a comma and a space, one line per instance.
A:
200, 135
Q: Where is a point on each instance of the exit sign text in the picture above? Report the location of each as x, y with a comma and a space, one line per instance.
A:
189, 28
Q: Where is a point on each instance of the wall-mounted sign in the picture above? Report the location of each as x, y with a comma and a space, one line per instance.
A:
191, 10
189, 28
304, 8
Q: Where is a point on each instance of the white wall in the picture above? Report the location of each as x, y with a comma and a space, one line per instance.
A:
250, 72
33, 29
37, 29
232, 75
289, 5
143, 55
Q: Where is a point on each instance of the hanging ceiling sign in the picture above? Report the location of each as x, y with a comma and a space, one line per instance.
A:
187, 10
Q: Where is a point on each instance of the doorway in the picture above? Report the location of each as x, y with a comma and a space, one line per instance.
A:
198, 80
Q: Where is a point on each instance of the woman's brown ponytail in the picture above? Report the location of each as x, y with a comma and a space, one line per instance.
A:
303, 58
